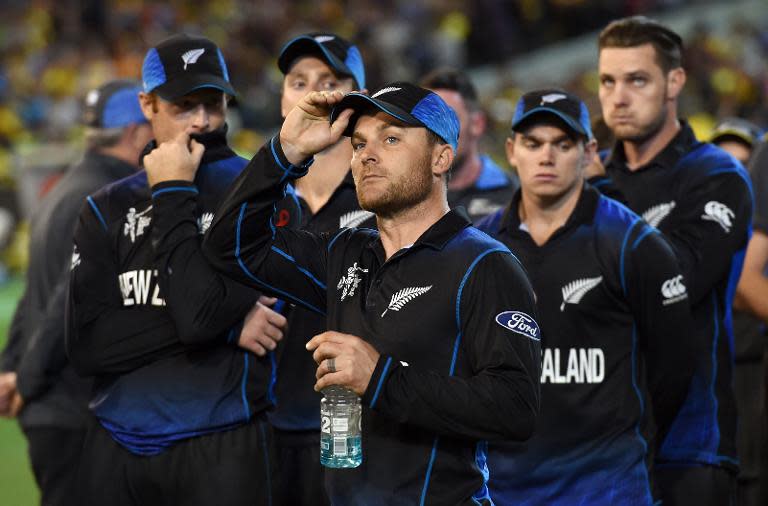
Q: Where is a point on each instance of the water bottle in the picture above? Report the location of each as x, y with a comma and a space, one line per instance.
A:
340, 423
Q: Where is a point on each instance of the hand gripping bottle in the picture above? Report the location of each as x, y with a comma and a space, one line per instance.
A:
340, 423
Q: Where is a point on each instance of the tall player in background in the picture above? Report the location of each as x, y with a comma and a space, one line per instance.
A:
700, 199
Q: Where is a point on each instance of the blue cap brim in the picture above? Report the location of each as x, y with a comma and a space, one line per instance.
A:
361, 103
567, 119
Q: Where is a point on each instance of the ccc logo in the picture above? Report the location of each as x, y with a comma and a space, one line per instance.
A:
673, 287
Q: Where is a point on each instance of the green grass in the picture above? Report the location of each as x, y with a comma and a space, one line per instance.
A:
17, 486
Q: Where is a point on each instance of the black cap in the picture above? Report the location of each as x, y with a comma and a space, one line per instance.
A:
569, 108
339, 53
182, 64
744, 130
407, 102
113, 105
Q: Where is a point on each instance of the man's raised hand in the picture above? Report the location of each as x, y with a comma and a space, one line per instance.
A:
174, 160
307, 128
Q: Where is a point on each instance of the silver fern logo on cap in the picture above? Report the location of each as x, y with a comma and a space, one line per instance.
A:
191, 56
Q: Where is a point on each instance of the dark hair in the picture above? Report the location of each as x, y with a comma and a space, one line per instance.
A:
638, 30
433, 139
455, 80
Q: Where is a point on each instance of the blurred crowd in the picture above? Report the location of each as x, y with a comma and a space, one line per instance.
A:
54, 51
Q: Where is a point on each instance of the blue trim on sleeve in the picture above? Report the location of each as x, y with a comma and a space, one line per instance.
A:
455, 355
338, 234
272, 376
243, 383
190, 189
432, 456
98, 213
621, 254
715, 339
381, 381
640, 401
458, 302
646, 232
288, 171
301, 269
257, 280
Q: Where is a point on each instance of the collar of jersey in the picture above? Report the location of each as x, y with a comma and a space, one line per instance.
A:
436, 236
667, 157
584, 212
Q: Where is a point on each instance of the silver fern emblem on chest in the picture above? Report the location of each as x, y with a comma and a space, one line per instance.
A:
574, 291
204, 222
404, 296
353, 219
654, 215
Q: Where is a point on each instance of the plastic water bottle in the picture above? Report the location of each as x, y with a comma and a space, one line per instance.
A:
340, 423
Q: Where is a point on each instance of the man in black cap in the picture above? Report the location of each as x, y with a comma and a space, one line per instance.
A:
39, 385
476, 183
431, 322
179, 398
312, 62
616, 310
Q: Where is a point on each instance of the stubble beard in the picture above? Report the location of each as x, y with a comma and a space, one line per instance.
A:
402, 194
645, 132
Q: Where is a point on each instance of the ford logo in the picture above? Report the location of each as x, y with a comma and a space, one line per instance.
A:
519, 322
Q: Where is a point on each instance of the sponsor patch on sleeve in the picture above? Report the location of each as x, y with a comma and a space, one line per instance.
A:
519, 322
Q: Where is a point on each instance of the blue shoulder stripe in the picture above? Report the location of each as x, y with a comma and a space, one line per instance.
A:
97, 212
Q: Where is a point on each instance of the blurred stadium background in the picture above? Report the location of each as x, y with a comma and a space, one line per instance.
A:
53, 51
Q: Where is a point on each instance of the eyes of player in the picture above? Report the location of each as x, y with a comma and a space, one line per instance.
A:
562, 145
211, 104
606, 82
637, 81
390, 140
323, 85
329, 85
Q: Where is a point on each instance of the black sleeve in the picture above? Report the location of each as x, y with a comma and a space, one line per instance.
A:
711, 224
17, 341
104, 336
501, 340
656, 291
203, 303
244, 242
758, 169
45, 356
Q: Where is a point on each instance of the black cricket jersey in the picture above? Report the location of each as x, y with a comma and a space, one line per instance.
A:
297, 404
614, 312
452, 316
153, 321
492, 191
700, 198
